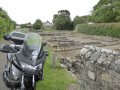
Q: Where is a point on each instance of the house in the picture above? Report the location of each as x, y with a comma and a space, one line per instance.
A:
29, 24
47, 25
90, 23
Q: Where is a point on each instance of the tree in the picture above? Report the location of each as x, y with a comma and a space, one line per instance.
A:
3, 27
37, 25
6, 23
85, 18
62, 20
106, 11
65, 12
80, 20
54, 18
14, 24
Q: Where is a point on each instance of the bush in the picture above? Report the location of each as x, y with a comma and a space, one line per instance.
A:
103, 29
6, 24
37, 25
3, 27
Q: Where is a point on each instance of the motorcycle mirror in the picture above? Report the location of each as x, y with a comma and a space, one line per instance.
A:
46, 52
6, 36
7, 49
44, 43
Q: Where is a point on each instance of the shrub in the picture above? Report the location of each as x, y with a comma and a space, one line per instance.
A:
3, 27
6, 24
103, 29
37, 25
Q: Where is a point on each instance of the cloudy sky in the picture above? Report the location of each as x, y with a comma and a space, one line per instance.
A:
24, 11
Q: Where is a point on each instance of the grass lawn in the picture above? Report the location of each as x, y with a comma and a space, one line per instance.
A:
54, 78
23, 30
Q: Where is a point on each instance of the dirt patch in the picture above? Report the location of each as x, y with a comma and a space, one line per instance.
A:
70, 54
74, 86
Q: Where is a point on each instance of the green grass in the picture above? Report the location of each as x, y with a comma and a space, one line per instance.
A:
54, 78
23, 30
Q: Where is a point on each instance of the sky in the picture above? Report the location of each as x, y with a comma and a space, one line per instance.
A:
24, 11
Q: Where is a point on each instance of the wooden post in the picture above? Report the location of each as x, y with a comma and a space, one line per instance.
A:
53, 60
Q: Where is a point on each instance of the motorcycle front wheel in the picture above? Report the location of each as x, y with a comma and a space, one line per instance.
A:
31, 88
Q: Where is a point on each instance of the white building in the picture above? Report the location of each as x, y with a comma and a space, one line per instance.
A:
47, 25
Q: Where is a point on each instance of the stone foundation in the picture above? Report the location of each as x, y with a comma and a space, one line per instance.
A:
96, 68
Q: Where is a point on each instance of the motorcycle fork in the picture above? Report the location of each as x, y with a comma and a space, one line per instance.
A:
22, 83
10, 71
33, 81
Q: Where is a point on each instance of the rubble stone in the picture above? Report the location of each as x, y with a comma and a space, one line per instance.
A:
95, 56
91, 75
96, 68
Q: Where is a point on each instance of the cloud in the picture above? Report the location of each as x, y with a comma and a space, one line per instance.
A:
24, 11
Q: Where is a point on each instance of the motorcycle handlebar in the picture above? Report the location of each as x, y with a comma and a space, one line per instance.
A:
17, 47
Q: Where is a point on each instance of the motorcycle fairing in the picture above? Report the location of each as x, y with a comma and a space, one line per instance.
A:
21, 57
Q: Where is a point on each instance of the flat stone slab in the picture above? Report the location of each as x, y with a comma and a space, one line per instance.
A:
95, 56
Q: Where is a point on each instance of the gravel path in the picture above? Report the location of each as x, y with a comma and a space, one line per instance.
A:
3, 62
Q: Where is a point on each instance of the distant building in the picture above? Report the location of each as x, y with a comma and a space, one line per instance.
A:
90, 23
47, 25
29, 24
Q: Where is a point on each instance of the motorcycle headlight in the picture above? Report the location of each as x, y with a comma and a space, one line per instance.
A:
29, 67
35, 54
34, 58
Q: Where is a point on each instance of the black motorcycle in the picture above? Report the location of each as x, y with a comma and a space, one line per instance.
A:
25, 60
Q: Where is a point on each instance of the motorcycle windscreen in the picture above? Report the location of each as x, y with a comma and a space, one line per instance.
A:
32, 43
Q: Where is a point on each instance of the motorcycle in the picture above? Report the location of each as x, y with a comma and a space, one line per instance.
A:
25, 60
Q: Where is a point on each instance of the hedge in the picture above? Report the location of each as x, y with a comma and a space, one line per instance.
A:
102, 29
6, 23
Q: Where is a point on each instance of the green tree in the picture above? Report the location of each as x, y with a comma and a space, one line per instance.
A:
106, 11
14, 24
80, 20
85, 18
65, 12
8, 21
37, 25
3, 27
62, 20
77, 20
54, 18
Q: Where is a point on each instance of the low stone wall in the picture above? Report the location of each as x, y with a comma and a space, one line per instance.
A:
59, 39
50, 34
96, 68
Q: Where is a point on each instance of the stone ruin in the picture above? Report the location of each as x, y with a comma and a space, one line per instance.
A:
59, 39
64, 44
42, 33
95, 68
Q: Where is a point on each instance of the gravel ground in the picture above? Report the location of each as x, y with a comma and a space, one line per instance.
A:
3, 62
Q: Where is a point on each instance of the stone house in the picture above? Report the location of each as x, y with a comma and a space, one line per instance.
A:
47, 25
